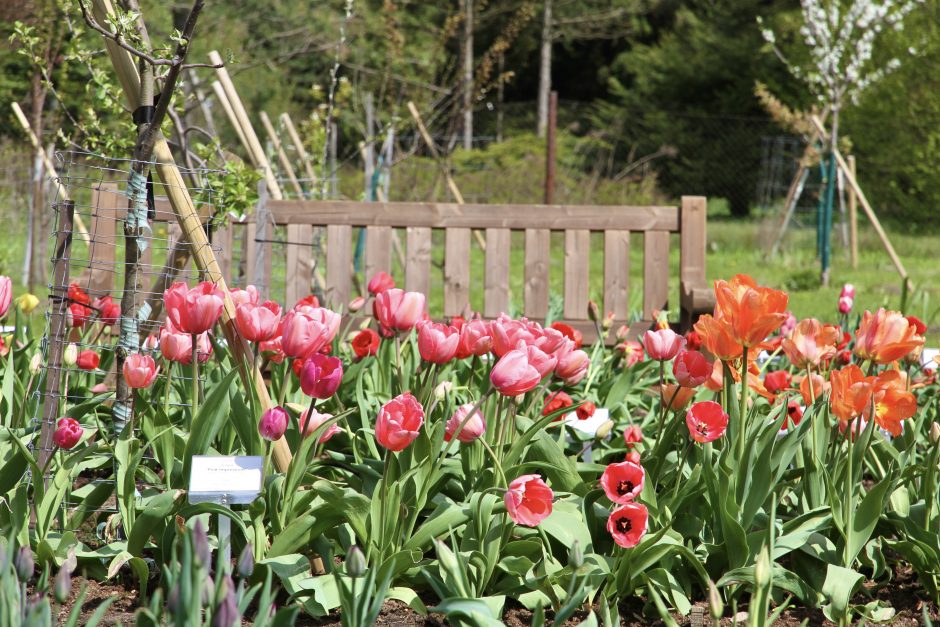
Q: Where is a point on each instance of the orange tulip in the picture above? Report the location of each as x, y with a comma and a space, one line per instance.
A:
811, 343
893, 403
851, 392
819, 387
717, 338
885, 336
752, 311
677, 397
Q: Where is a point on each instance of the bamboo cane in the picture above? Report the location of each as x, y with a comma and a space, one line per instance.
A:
281, 155
299, 147
50, 169
189, 222
230, 114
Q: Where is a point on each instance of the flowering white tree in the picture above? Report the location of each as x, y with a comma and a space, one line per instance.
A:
840, 37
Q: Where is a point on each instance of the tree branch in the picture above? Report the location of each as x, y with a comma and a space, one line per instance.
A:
119, 39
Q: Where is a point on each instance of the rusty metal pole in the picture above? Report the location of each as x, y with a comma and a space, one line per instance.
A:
550, 148
57, 325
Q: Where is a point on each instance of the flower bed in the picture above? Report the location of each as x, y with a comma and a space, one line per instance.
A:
757, 464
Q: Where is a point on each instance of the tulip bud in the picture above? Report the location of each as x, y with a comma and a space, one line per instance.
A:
715, 604
440, 392
173, 599
24, 564
608, 321
355, 562
935, 432
604, 430
70, 355
201, 544
576, 555
356, 304
207, 591
446, 557
762, 572
35, 364
62, 585
594, 313
246, 562
622, 332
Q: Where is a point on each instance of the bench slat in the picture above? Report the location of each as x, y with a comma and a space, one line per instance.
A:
496, 279
418, 260
655, 272
338, 265
577, 273
456, 271
449, 215
378, 250
537, 264
692, 243
617, 273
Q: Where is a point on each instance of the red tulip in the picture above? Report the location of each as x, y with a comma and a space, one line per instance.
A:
623, 482
306, 330
77, 295
380, 282
6, 294
67, 433
139, 370
320, 376
473, 429
307, 301
570, 332
513, 374
693, 341
794, 414
706, 421
365, 343
586, 410
258, 323
627, 524
273, 424
193, 310
272, 350
662, 344
437, 343
77, 315
777, 380
528, 500
691, 369
556, 401
317, 419
632, 352
632, 435
109, 312
475, 339
399, 422
398, 310
88, 360
633, 456
572, 368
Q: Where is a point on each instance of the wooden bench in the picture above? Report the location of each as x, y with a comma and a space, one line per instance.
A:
418, 220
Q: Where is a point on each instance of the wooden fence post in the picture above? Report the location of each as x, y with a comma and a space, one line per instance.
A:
853, 216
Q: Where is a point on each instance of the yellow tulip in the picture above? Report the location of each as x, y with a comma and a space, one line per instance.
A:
27, 303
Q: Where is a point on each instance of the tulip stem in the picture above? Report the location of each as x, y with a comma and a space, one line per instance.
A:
846, 559
812, 418
167, 389
742, 422
195, 376
662, 399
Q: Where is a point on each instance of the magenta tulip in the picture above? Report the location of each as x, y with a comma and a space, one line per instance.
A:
320, 375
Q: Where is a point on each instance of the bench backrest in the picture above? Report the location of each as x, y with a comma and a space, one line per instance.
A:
496, 223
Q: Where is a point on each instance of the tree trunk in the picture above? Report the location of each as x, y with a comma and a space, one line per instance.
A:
545, 68
468, 75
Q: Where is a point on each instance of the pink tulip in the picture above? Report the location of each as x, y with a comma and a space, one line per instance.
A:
507, 333
475, 339
541, 361
273, 424
572, 367
474, 427
6, 294
399, 422
513, 374
437, 343
356, 304
249, 296
139, 370
554, 342
398, 310
67, 433
306, 330
845, 304
380, 282
258, 323
691, 369
178, 347
317, 419
320, 375
528, 500
662, 344
193, 310
848, 291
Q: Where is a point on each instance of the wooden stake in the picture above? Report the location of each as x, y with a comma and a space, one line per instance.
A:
191, 226
299, 147
550, 148
281, 155
50, 169
451, 184
853, 217
230, 114
860, 195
